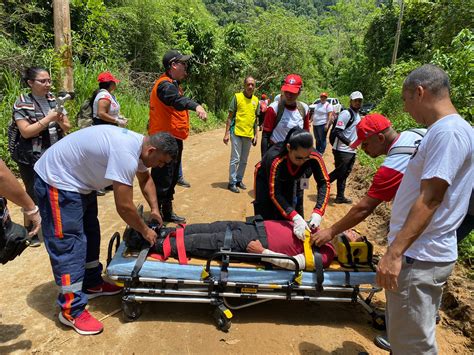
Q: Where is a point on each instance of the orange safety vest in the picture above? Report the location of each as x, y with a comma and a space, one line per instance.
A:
164, 118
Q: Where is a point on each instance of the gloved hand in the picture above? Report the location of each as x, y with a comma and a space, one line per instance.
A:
33, 218
299, 226
315, 220
121, 122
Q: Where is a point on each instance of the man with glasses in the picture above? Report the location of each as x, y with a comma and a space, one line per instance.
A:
169, 113
344, 155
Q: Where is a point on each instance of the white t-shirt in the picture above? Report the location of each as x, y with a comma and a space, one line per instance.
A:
321, 113
289, 119
446, 152
114, 109
92, 158
349, 133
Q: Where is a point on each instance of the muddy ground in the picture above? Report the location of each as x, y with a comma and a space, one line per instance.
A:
28, 314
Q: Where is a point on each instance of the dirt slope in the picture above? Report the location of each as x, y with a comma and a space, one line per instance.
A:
28, 321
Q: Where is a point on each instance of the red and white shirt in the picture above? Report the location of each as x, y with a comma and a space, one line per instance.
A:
114, 109
388, 177
291, 118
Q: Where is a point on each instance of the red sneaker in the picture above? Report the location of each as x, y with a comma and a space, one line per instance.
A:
84, 324
105, 289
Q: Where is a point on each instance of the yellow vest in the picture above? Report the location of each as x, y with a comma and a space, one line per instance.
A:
245, 117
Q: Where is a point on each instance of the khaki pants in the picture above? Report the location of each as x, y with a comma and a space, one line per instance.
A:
411, 310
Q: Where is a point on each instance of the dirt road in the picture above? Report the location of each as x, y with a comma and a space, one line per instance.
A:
28, 321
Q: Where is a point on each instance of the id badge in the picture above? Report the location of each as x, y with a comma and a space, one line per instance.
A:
304, 184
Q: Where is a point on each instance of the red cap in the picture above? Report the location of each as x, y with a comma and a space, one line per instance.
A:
323, 94
264, 97
107, 76
292, 83
370, 125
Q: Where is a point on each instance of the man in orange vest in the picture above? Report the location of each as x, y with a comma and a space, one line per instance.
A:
169, 113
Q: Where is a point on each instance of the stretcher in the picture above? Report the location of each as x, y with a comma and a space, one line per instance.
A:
229, 284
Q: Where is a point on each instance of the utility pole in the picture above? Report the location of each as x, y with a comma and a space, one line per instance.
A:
397, 35
63, 42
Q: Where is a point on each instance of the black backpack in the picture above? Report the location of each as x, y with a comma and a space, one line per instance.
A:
332, 132
84, 116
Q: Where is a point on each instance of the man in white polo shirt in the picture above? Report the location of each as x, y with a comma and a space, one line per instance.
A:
344, 155
67, 177
378, 138
429, 206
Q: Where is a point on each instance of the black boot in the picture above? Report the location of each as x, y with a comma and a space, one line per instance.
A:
162, 233
168, 214
382, 342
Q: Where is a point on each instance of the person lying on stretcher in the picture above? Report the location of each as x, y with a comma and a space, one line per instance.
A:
202, 240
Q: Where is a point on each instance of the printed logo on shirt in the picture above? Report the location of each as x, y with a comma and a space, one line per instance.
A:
340, 123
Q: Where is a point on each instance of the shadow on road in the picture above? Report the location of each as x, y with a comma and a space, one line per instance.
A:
348, 347
9, 332
220, 185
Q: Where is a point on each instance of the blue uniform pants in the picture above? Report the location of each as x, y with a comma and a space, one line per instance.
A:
71, 234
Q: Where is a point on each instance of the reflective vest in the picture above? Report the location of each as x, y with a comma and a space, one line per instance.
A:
164, 118
245, 117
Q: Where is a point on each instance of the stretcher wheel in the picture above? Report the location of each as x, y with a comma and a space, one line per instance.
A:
223, 323
378, 320
131, 311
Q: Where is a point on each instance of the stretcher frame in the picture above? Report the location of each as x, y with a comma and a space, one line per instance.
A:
214, 288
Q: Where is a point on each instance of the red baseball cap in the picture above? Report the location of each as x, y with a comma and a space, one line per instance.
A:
323, 94
107, 76
292, 83
370, 125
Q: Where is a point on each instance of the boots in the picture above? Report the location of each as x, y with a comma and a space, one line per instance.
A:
163, 232
168, 214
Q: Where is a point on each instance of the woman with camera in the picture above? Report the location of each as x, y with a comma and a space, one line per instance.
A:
36, 125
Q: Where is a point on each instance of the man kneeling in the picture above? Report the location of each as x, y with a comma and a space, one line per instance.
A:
202, 240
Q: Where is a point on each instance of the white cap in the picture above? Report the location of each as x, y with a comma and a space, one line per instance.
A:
356, 95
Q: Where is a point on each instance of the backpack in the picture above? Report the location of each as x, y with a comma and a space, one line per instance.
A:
332, 132
84, 116
281, 110
407, 150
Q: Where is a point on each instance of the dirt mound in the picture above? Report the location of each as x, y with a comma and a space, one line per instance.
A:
457, 303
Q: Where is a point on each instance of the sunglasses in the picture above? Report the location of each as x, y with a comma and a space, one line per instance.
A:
43, 81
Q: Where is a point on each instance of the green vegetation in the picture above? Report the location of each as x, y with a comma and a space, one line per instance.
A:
335, 45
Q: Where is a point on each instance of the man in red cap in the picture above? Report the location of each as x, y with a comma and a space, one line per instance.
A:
377, 137
283, 115
169, 113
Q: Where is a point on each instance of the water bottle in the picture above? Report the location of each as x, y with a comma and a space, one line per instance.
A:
53, 133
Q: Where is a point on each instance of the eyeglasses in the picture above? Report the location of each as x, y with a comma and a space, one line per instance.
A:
43, 81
